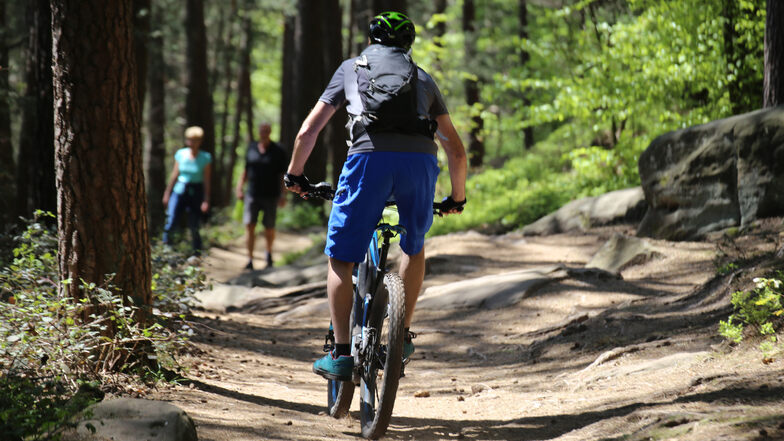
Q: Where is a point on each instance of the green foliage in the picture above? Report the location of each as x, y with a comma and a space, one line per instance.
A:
731, 331
602, 79
760, 308
300, 215
527, 188
35, 409
727, 268
51, 344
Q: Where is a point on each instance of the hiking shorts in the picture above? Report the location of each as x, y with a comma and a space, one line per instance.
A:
269, 206
366, 182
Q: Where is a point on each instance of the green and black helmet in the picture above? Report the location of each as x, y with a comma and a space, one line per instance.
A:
392, 29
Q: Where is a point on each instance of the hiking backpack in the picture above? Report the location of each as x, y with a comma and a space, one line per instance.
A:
386, 82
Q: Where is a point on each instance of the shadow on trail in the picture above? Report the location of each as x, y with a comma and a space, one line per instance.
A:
553, 426
656, 314
256, 399
299, 344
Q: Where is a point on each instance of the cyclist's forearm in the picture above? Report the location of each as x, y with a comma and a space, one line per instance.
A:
457, 175
306, 138
456, 156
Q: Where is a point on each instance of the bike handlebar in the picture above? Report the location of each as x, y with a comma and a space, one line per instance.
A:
324, 190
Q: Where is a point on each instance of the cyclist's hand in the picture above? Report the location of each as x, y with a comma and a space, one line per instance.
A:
297, 183
451, 206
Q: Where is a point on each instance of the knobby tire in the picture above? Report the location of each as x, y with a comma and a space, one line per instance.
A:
375, 416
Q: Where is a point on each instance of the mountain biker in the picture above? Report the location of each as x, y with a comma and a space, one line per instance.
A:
393, 162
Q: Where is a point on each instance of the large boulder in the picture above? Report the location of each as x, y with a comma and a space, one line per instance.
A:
616, 206
706, 178
129, 419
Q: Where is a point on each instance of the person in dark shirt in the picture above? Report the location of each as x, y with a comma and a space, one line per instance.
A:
265, 164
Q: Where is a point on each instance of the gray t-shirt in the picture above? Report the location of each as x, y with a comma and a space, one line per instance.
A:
342, 89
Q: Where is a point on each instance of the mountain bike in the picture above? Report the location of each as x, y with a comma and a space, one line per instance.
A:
376, 332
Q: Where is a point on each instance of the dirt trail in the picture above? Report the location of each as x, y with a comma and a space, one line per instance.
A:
583, 358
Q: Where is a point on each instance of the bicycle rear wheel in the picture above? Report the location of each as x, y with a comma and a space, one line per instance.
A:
377, 395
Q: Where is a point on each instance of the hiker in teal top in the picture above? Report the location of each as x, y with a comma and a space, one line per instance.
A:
189, 187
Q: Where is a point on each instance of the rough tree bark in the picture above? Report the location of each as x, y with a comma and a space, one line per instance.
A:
198, 98
773, 83
155, 147
528, 132
101, 220
6, 147
476, 148
35, 177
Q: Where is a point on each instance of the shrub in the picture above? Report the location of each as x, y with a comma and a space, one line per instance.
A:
50, 346
760, 308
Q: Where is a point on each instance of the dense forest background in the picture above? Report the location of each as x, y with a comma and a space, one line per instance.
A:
535, 87
555, 99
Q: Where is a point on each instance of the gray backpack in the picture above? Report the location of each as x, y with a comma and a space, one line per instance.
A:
386, 82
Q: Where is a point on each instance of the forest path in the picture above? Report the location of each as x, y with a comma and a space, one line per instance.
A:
581, 358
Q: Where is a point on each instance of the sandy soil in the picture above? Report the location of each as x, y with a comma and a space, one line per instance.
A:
584, 358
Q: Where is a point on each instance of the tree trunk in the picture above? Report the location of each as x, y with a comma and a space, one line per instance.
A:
198, 99
102, 219
335, 133
476, 148
155, 155
361, 13
440, 29
6, 147
773, 83
248, 110
380, 6
35, 179
528, 132
288, 124
227, 48
141, 31
309, 76
243, 101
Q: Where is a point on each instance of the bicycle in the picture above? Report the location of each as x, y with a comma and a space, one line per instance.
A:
376, 332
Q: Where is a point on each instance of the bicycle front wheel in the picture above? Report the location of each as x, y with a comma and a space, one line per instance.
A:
378, 391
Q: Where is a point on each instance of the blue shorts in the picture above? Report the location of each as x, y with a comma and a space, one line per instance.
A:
366, 182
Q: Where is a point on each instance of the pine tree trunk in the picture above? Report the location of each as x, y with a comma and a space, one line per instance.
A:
243, 101
361, 13
248, 110
6, 147
35, 179
528, 132
288, 124
335, 133
155, 147
380, 6
476, 148
141, 31
198, 99
102, 219
309, 76
227, 53
773, 83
